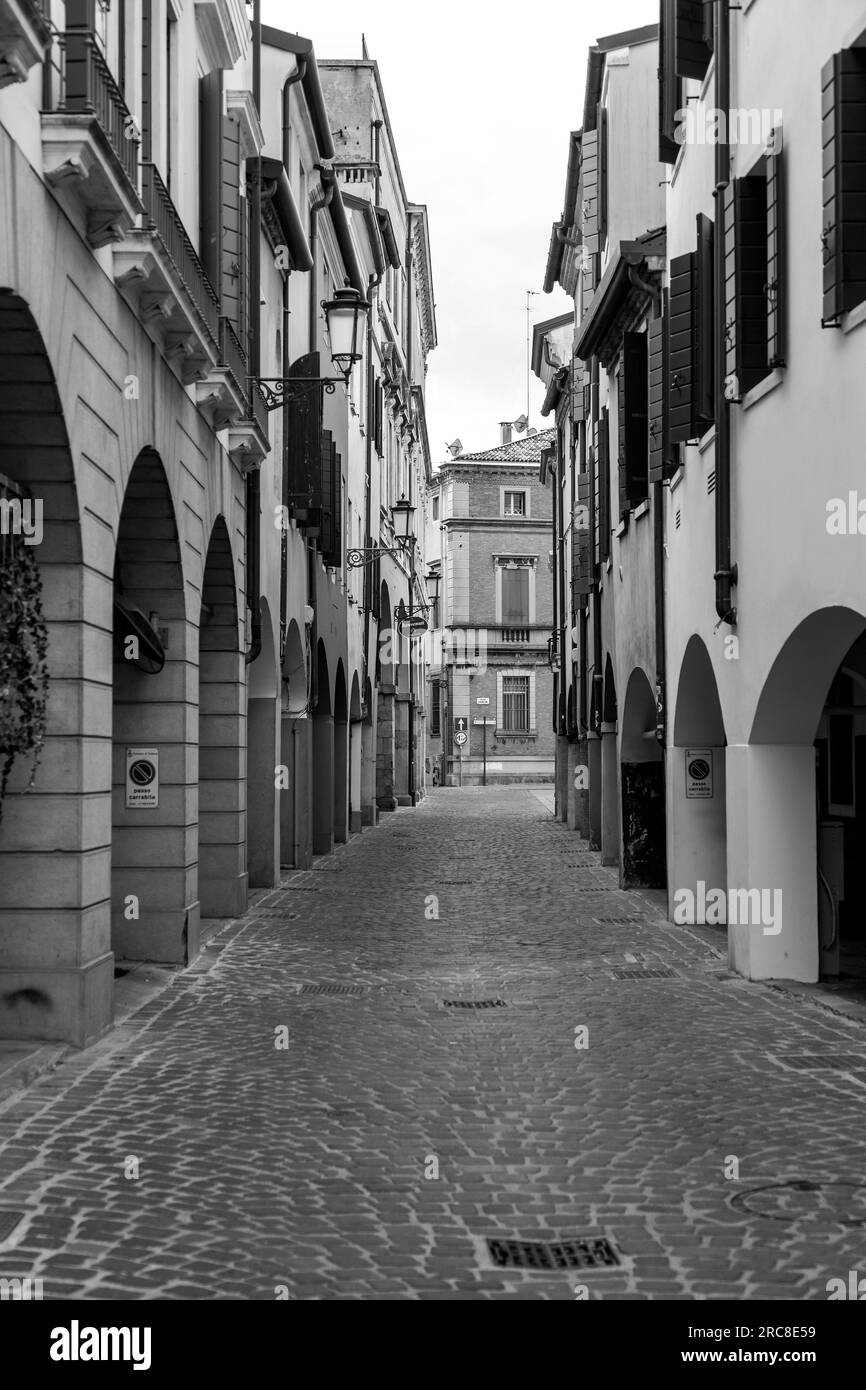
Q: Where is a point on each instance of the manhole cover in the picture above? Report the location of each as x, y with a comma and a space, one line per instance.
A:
839, 1203
589, 1252
8, 1221
644, 974
474, 1003
332, 989
834, 1062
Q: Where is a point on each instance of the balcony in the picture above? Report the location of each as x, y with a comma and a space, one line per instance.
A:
513, 635
24, 36
223, 394
89, 139
159, 273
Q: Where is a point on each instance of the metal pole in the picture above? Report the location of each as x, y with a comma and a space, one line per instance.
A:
484, 753
411, 680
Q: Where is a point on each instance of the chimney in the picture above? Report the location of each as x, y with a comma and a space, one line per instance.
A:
505, 432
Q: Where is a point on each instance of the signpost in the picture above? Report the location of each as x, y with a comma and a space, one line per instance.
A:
460, 729
485, 725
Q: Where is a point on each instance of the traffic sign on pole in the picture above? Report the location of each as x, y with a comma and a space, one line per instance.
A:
487, 723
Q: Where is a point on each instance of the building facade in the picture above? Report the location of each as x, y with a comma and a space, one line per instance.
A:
177, 222
717, 656
490, 649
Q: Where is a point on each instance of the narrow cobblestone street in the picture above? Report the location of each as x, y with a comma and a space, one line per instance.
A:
307, 1170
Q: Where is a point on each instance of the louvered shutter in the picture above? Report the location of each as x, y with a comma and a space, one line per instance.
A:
232, 270
302, 471
692, 50
844, 138
580, 377
589, 175
669, 84
704, 319
602, 175
681, 349
603, 494
745, 279
582, 543
326, 534
656, 403
622, 470
775, 290
633, 444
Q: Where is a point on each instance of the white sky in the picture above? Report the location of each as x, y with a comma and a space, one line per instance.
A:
481, 97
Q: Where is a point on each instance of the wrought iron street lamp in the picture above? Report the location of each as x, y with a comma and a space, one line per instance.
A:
344, 316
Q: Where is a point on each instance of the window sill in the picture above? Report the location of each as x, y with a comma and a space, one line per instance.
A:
707, 439
763, 388
853, 318
621, 529
677, 478
527, 733
641, 509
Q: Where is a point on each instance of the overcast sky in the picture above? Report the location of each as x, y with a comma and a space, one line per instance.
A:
481, 97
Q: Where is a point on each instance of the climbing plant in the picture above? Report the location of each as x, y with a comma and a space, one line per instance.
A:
23, 659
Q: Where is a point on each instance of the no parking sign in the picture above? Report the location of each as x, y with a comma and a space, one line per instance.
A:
699, 774
142, 778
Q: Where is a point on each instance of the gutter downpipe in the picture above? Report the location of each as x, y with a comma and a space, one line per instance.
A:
253, 487
725, 572
596, 703
375, 282
329, 182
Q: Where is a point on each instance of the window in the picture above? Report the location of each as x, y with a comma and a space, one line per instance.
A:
435, 508
843, 82
754, 308
435, 710
514, 503
633, 435
515, 597
515, 704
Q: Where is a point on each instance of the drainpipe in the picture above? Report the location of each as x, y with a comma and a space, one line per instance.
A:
253, 488
725, 572
375, 282
293, 78
597, 673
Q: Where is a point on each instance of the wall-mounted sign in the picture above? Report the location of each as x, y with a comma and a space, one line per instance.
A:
699, 774
142, 778
482, 700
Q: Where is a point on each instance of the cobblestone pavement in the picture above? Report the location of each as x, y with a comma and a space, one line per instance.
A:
309, 1170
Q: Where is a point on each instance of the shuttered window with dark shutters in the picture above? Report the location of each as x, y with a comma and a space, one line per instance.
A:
603, 494
693, 51
602, 175
589, 176
776, 287
634, 425
681, 350
745, 281
327, 535
657, 416
704, 411
582, 542
233, 238
843, 105
670, 85
302, 472
622, 476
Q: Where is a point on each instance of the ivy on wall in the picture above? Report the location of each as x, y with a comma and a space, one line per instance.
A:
23, 659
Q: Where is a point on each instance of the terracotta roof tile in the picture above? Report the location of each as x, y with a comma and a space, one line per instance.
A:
518, 451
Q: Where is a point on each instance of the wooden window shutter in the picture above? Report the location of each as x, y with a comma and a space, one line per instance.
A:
680, 330
622, 471
745, 280
589, 174
704, 399
231, 286
580, 379
656, 398
146, 152
670, 85
775, 290
693, 52
602, 175
328, 529
633, 416
582, 542
302, 473
603, 495
210, 153
843, 108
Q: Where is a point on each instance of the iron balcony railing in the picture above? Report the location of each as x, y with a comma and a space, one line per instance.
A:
165, 221
233, 356
83, 83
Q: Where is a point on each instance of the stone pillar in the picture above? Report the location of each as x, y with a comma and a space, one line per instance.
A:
386, 799
323, 783
772, 851
696, 835
593, 762
368, 772
296, 838
580, 789
222, 876
356, 761
561, 778
402, 714
610, 809
267, 788
341, 781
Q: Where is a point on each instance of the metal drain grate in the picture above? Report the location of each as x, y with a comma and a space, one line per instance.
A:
661, 974
836, 1062
474, 1003
617, 921
587, 1252
8, 1221
332, 989
274, 912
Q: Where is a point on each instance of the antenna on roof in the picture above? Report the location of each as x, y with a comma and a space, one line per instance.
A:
365, 54
455, 449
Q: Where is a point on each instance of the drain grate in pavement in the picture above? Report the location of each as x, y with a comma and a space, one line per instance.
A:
587, 1252
332, 989
474, 1003
815, 1062
662, 974
275, 912
618, 920
8, 1221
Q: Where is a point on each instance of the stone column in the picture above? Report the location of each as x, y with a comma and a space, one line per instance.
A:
593, 762
386, 799
610, 808
323, 783
402, 714
266, 789
296, 837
